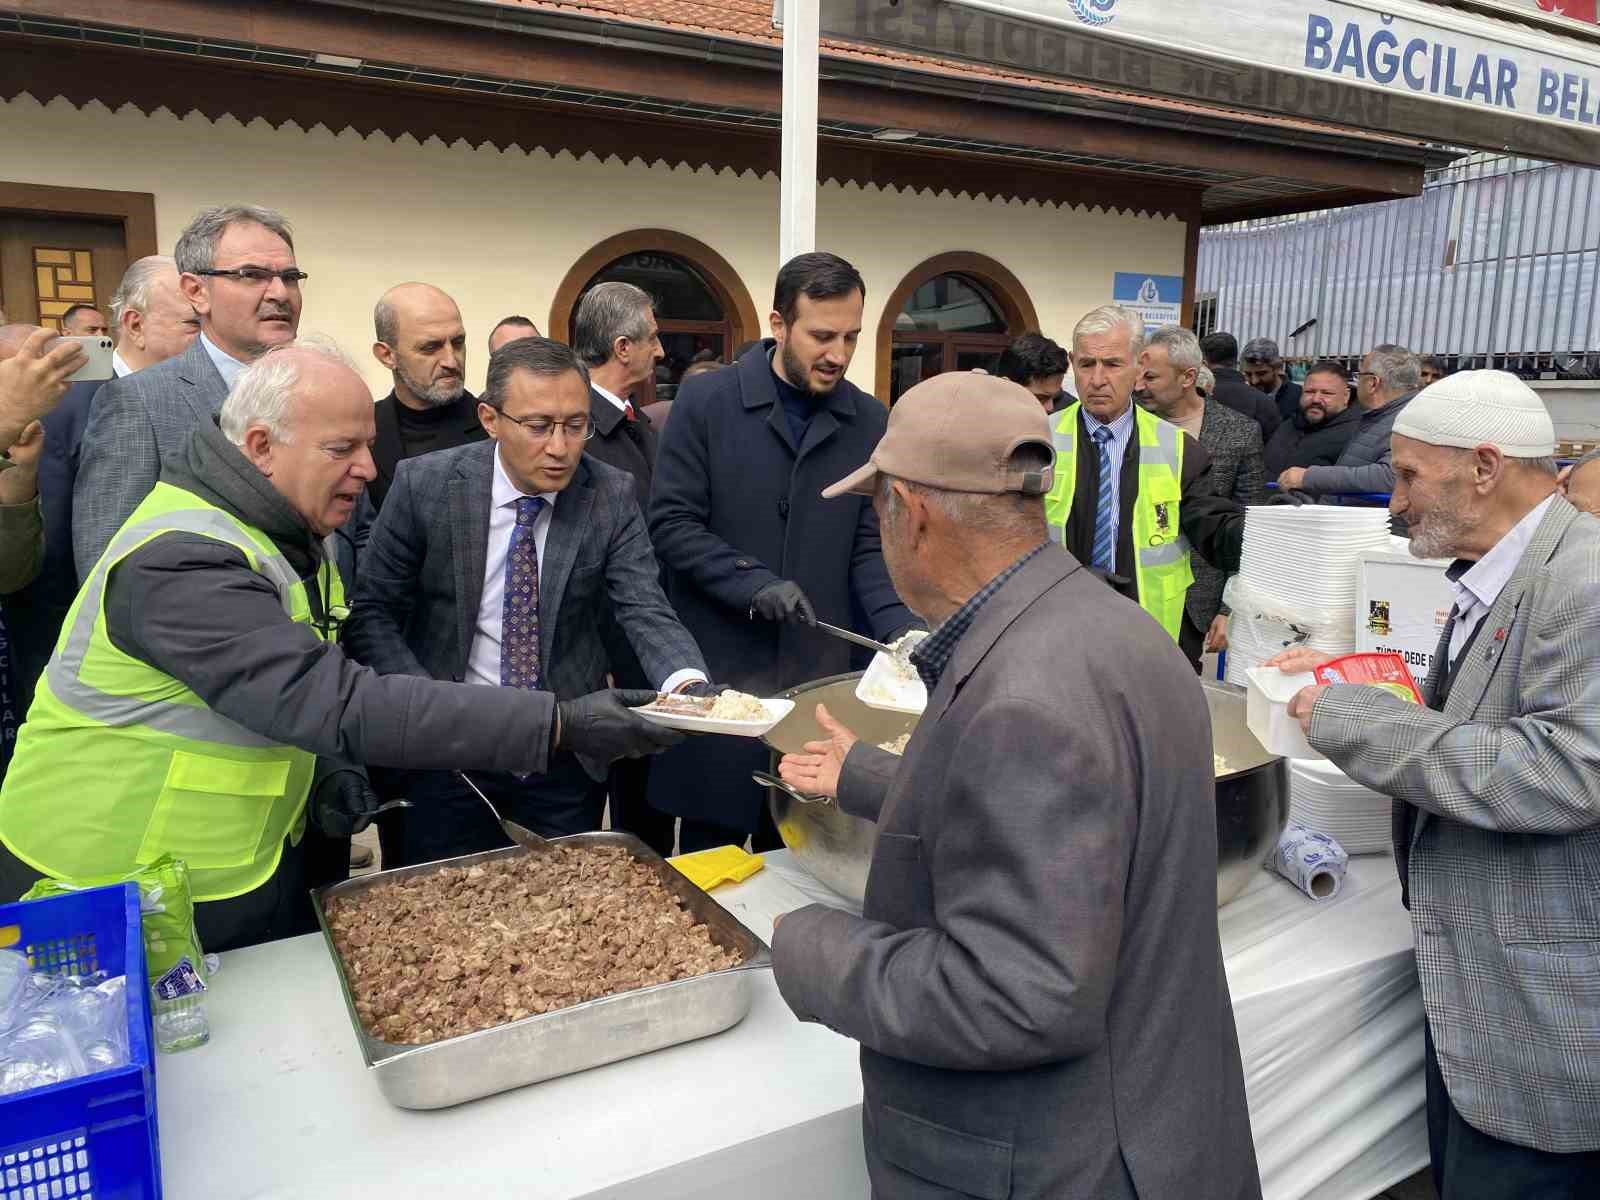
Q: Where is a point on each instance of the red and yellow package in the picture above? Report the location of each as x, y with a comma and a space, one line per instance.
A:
1387, 670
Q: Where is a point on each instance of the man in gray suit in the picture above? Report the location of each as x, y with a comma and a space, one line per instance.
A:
1036, 980
496, 563
1169, 370
1497, 792
237, 269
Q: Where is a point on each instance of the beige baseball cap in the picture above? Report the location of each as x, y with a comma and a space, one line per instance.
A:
960, 432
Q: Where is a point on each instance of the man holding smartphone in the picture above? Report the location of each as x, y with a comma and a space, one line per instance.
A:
35, 366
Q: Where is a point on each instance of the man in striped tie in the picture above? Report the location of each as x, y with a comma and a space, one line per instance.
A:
1132, 494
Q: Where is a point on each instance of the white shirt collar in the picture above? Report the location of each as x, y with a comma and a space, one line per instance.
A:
1485, 579
505, 492
118, 367
227, 365
622, 405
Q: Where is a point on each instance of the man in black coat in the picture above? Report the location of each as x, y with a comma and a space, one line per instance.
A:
753, 554
420, 339
1318, 433
1264, 371
1222, 356
615, 334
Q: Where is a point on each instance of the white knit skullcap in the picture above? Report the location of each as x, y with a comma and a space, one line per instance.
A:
1471, 408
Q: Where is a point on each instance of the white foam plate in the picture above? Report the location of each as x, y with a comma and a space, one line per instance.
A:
881, 687
777, 710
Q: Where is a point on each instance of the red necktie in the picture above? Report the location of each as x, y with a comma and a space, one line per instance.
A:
627, 410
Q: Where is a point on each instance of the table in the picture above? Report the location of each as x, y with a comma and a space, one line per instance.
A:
278, 1104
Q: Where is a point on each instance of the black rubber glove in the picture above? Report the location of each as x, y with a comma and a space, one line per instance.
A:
703, 687
603, 726
343, 804
783, 601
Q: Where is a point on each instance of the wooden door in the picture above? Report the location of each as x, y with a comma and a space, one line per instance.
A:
48, 264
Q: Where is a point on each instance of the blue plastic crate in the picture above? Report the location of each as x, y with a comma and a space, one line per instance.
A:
92, 1138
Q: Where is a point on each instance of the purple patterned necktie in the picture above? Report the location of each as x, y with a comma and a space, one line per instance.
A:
519, 613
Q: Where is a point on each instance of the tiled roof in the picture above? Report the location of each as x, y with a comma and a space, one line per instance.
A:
751, 21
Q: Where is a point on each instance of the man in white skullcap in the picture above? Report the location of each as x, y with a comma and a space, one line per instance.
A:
1497, 792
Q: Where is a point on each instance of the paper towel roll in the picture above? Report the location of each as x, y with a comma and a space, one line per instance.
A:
1312, 861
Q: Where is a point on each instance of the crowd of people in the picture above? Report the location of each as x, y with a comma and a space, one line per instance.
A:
247, 605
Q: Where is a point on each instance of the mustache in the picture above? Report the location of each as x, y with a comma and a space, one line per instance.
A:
269, 311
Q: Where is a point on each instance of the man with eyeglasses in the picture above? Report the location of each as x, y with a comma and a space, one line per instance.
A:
237, 270
199, 704
496, 564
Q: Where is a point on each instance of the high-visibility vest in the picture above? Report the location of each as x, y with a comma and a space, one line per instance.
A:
119, 763
1161, 567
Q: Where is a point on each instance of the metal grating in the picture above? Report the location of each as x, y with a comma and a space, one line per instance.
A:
1497, 263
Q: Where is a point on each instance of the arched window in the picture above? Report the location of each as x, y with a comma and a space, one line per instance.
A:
953, 313
702, 308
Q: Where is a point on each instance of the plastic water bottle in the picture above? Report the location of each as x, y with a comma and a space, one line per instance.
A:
178, 1009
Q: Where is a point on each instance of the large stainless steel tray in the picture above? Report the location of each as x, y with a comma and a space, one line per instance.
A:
571, 1039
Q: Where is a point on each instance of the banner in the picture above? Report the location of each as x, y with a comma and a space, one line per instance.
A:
1402, 67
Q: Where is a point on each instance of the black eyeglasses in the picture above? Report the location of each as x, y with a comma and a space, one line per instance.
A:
542, 427
258, 277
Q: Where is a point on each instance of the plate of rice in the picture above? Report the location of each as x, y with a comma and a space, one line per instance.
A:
891, 682
738, 714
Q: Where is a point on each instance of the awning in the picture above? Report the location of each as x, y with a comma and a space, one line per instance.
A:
1411, 68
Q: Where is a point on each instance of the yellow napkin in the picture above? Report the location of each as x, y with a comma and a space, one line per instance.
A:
708, 869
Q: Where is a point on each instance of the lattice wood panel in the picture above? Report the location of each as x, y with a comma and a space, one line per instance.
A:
63, 277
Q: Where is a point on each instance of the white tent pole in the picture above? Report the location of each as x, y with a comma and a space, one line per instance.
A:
797, 172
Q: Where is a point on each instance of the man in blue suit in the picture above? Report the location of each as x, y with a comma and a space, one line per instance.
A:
754, 556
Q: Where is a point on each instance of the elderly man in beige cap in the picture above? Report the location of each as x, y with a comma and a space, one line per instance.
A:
1497, 792
1036, 980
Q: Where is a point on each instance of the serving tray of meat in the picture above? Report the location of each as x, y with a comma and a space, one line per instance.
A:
480, 974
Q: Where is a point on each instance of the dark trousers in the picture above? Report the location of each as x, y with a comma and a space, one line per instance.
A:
447, 820
279, 908
631, 810
1191, 640
1470, 1165
704, 835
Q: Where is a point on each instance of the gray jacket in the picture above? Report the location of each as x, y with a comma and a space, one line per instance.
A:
1036, 981
1503, 861
192, 607
421, 577
1364, 465
136, 423
1234, 442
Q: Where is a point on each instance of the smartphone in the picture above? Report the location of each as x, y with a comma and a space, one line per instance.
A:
98, 348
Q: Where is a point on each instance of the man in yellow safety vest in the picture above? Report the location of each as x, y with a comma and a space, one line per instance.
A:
1131, 499
198, 703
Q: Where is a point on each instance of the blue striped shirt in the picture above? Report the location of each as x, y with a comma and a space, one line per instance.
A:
1116, 449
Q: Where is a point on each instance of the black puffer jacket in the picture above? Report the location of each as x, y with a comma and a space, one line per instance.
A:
1297, 444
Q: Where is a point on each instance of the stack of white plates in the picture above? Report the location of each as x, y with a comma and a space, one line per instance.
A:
1324, 798
1299, 567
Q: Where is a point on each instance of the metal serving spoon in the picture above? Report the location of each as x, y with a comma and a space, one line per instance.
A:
772, 781
519, 834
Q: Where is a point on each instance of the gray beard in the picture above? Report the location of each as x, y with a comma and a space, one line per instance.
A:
1441, 535
435, 396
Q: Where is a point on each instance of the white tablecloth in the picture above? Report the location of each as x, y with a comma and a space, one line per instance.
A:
279, 1105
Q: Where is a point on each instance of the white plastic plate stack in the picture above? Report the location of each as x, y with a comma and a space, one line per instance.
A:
1324, 798
1298, 575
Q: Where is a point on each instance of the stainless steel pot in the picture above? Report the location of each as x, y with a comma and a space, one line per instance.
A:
1252, 796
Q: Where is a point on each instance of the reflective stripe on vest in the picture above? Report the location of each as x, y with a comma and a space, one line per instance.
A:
1162, 572
64, 671
120, 762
